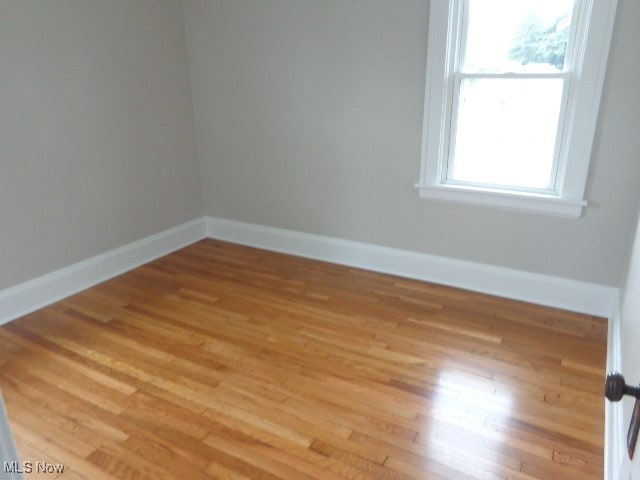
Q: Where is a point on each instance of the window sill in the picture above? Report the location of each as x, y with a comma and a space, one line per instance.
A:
504, 199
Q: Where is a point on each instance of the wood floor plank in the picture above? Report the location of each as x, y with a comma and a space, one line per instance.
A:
229, 362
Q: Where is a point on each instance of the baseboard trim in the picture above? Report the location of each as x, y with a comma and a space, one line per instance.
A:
556, 292
42, 291
614, 448
546, 290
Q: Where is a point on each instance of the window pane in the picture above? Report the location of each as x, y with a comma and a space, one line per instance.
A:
506, 131
516, 36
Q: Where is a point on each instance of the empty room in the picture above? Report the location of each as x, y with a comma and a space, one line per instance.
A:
319, 239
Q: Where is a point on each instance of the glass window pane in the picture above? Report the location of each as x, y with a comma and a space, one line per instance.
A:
506, 132
516, 36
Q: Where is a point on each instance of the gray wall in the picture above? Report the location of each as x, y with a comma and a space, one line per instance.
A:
97, 137
309, 117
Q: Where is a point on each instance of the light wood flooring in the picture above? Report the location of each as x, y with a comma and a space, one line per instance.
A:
227, 362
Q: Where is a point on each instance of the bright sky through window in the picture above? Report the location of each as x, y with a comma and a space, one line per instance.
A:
510, 93
496, 28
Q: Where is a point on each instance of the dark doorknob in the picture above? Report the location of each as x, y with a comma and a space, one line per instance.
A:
615, 388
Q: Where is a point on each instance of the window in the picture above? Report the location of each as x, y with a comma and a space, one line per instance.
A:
511, 103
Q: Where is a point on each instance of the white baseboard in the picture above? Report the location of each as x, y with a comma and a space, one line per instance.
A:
42, 291
556, 292
614, 429
541, 289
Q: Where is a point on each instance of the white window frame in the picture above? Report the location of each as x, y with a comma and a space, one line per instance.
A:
578, 119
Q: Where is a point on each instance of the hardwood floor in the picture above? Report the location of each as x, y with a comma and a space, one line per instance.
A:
221, 361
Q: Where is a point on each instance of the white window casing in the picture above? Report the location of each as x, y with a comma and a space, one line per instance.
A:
587, 56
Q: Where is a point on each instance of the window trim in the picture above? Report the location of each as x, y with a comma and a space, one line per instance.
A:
587, 80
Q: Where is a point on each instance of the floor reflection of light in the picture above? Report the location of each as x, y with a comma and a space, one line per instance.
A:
455, 432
